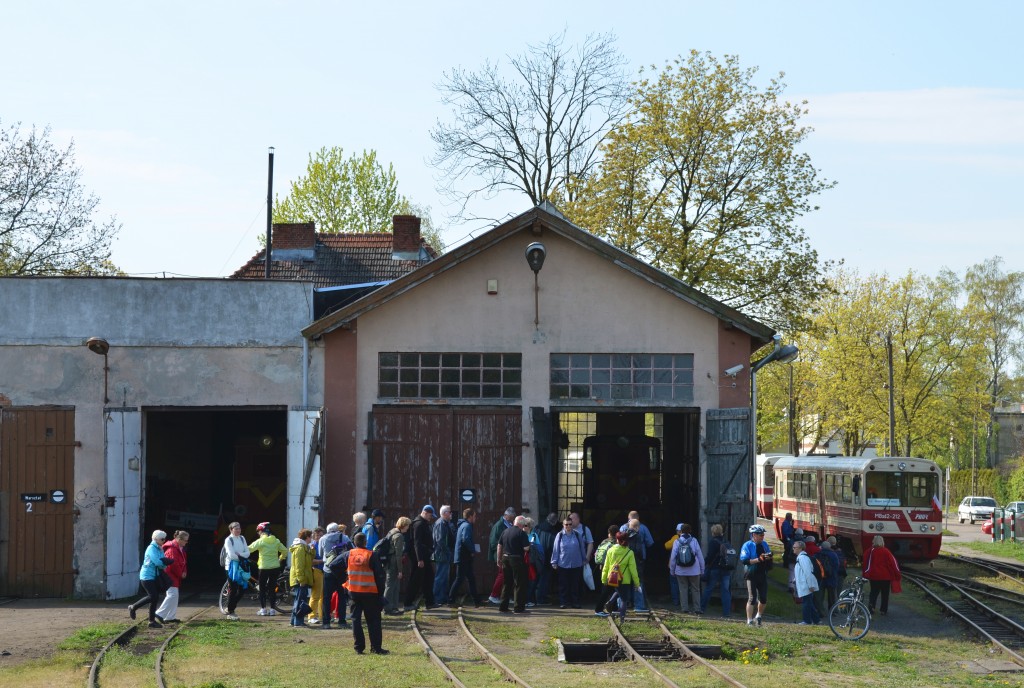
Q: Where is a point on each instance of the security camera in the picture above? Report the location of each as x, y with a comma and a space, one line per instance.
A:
734, 371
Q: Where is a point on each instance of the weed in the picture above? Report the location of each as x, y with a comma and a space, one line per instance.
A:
91, 637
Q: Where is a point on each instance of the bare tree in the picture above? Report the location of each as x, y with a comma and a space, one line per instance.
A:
538, 131
46, 225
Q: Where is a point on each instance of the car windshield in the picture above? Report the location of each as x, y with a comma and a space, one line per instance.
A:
984, 501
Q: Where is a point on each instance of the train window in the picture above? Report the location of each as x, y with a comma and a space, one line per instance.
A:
846, 494
901, 489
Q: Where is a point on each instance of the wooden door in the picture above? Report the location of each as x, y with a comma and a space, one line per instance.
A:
37, 461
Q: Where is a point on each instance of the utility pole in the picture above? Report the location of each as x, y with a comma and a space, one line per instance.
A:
892, 397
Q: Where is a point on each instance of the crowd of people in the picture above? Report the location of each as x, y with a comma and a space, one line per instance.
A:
334, 576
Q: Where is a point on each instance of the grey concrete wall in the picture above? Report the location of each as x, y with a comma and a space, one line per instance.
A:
172, 343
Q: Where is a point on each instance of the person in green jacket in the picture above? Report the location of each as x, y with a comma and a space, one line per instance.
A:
301, 577
621, 556
272, 555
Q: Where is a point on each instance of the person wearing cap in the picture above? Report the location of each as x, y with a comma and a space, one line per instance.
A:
422, 574
756, 559
272, 556
444, 552
499, 527
373, 528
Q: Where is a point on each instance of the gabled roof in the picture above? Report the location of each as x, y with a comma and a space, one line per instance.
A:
551, 220
336, 259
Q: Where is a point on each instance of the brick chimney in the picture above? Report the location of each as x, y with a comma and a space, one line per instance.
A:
294, 241
405, 243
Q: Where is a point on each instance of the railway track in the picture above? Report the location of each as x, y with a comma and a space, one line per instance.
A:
1003, 632
639, 651
1003, 569
163, 636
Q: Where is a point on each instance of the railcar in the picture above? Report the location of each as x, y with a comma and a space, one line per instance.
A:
766, 483
855, 499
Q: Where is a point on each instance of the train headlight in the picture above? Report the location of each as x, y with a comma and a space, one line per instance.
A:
879, 526
924, 527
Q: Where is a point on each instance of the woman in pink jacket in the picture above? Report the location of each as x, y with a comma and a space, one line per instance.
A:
881, 569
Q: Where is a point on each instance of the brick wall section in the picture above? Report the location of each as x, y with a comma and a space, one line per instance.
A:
294, 235
406, 233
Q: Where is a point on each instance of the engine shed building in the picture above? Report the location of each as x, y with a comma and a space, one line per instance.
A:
590, 383
128, 405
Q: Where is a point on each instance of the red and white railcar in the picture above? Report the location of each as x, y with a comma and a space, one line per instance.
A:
766, 483
857, 498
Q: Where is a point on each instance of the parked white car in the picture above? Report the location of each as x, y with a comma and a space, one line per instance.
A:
1015, 506
976, 509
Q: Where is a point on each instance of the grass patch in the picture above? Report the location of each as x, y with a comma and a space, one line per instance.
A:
1007, 548
92, 637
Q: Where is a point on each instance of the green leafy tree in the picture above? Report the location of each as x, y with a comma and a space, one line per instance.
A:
533, 126
705, 180
937, 367
998, 297
46, 215
354, 194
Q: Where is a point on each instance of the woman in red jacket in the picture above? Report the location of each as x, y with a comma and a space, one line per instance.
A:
881, 569
176, 571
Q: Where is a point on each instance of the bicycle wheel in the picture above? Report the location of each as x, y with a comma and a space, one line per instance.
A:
849, 620
222, 602
283, 604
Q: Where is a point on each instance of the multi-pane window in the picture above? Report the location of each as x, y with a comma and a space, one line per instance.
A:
801, 485
837, 487
634, 377
450, 375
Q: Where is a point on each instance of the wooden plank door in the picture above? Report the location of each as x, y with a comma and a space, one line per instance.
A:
37, 461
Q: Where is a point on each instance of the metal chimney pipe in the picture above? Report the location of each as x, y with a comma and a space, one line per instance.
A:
270, 209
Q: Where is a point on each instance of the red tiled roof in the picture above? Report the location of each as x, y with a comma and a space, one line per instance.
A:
337, 259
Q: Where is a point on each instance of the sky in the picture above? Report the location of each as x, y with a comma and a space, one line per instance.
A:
917, 107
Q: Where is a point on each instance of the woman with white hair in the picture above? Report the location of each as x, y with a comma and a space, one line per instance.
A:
153, 563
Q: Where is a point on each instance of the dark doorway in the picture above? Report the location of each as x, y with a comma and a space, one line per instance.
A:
648, 460
208, 467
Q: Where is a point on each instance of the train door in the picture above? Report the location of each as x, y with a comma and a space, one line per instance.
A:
822, 514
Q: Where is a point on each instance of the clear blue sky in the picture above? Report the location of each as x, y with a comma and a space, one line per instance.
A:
918, 108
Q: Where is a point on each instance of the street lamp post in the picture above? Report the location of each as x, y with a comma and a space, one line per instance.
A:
781, 354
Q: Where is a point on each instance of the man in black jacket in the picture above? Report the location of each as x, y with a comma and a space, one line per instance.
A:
422, 576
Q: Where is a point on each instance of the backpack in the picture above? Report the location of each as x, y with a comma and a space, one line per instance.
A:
818, 568
685, 555
337, 550
615, 575
383, 550
825, 563
727, 557
602, 552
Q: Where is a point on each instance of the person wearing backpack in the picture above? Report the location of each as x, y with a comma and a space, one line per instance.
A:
686, 563
421, 574
832, 573
618, 576
718, 568
806, 584
546, 532
568, 557
602, 550
444, 550
390, 556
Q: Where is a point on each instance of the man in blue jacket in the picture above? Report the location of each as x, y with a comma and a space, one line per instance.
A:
464, 550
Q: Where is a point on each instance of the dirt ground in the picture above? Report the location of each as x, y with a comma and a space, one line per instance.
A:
32, 628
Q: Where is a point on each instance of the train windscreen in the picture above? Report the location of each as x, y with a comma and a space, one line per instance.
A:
901, 489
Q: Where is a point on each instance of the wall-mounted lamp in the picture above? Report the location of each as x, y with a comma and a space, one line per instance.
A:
535, 254
101, 346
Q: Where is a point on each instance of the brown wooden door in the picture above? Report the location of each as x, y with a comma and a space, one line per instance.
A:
422, 455
37, 458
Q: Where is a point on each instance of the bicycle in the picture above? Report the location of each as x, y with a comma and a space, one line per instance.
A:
283, 605
849, 618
